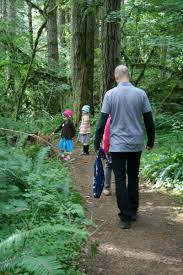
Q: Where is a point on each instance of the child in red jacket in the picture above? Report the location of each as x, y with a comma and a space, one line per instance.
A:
108, 162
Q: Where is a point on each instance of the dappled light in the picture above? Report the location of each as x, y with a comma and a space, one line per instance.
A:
152, 246
139, 255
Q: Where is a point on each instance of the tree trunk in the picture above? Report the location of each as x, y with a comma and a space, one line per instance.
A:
61, 26
12, 25
83, 26
88, 74
78, 48
31, 40
4, 9
52, 40
1, 8
12, 11
110, 45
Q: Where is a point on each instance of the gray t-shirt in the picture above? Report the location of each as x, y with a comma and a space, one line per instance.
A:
126, 104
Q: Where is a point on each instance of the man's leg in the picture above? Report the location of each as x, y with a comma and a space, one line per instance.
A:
119, 169
133, 164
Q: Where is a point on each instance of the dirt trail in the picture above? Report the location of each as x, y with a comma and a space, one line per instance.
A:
154, 244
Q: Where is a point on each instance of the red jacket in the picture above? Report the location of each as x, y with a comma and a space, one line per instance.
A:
106, 136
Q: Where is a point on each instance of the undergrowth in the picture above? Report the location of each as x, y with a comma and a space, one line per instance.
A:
164, 165
42, 221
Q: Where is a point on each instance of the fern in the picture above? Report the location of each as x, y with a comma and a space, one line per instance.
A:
16, 240
16, 166
41, 265
40, 159
179, 173
21, 140
9, 264
164, 173
8, 176
165, 169
44, 208
38, 265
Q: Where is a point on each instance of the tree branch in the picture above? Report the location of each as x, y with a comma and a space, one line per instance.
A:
24, 85
35, 6
145, 66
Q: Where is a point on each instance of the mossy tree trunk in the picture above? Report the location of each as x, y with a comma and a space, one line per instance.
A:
83, 32
110, 44
52, 38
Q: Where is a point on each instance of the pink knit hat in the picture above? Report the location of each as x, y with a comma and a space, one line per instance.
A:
68, 113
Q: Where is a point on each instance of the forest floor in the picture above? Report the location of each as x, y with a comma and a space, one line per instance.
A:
154, 243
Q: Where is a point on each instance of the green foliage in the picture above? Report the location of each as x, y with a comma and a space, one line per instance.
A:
114, 17
41, 265
168, 122
94, 122
41, 217
164, 165
152, 48
165, 170
94, 249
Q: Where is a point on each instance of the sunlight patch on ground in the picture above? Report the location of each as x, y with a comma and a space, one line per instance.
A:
178, 218
139, 255
158, 207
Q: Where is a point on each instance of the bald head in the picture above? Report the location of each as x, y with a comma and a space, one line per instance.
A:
121, 74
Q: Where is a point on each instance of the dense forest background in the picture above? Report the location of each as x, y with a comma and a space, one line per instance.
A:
62, 54
54, 53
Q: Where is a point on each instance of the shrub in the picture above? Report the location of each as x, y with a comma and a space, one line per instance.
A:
164, 165
42, 219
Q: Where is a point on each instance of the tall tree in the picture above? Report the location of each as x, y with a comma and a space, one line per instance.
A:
61, 19
83, 31
88, 74
4, 8
1, 8
52, 39
31, 40
12, 32
110, 42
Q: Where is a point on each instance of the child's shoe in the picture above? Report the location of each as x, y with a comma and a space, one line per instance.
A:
67, 158
82, 153
106, 192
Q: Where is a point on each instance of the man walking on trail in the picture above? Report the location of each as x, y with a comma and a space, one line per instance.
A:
127, 105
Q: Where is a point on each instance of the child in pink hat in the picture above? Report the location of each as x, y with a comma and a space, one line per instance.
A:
67, 133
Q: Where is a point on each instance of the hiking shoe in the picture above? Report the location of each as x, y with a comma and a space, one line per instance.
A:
134, 217
106, 192
67, 158
125, 224
82, 154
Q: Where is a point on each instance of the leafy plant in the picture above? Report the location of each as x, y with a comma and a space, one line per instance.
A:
43, 214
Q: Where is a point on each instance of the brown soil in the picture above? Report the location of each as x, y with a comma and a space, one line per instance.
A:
154, 244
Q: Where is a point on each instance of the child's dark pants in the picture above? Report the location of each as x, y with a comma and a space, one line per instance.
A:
86, 149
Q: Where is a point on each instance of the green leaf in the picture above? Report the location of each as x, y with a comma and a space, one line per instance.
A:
41, 265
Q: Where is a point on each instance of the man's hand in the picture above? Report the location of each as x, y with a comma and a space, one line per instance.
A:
100, 152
